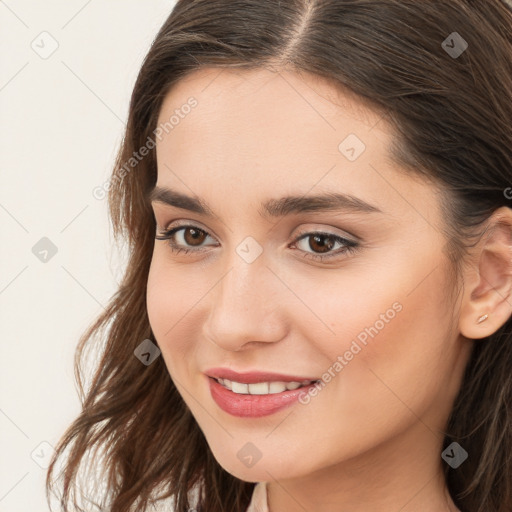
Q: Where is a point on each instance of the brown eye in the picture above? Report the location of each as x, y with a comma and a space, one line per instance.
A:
193, 236
187, 239
319, 244
184, 238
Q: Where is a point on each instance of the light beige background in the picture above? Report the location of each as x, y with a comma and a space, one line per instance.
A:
62, 116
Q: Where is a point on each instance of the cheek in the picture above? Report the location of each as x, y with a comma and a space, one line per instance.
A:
391, 320
371, 319
170, 297
395, 351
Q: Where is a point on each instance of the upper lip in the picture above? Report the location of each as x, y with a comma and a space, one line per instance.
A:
254, 376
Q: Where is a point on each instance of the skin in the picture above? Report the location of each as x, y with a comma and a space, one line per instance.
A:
372, 437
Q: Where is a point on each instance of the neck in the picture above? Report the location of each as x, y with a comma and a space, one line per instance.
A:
403, 475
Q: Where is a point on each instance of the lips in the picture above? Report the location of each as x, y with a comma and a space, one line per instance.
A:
256, 393
255, 376
253, 406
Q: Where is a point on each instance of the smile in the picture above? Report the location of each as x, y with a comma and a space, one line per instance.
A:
256, 399
262, 388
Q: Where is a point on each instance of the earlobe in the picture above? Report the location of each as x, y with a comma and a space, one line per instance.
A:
487, 301
482, 318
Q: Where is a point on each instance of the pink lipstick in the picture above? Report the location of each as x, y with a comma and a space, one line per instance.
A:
255, 394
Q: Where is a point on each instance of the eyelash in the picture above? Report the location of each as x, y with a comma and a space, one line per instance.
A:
349, 245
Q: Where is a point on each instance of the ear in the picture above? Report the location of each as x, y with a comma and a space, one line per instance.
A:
488, 279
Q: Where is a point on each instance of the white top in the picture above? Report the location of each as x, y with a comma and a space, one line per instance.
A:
259, 501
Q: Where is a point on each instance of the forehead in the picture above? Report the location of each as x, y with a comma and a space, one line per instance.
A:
260, 134
261, 121
225, 90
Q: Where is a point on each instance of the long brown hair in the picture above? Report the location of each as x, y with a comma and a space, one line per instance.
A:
453, 121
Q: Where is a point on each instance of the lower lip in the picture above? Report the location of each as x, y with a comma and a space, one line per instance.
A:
253, 406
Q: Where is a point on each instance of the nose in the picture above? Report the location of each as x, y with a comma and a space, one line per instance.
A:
246, 306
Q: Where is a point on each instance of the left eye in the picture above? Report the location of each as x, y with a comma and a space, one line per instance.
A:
323, 242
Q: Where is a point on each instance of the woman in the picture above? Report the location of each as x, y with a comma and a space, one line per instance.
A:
316, 310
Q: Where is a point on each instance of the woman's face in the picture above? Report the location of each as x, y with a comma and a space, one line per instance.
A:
373, 323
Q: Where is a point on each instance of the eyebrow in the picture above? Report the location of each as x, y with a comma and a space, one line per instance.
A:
281, 207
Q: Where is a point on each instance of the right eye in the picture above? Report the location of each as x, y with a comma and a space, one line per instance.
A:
190, 235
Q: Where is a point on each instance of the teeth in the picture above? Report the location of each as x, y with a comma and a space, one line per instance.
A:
277, 387
258, 388
262, 388
238, 387
226, 383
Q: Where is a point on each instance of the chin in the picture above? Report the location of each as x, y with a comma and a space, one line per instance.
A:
264, 469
